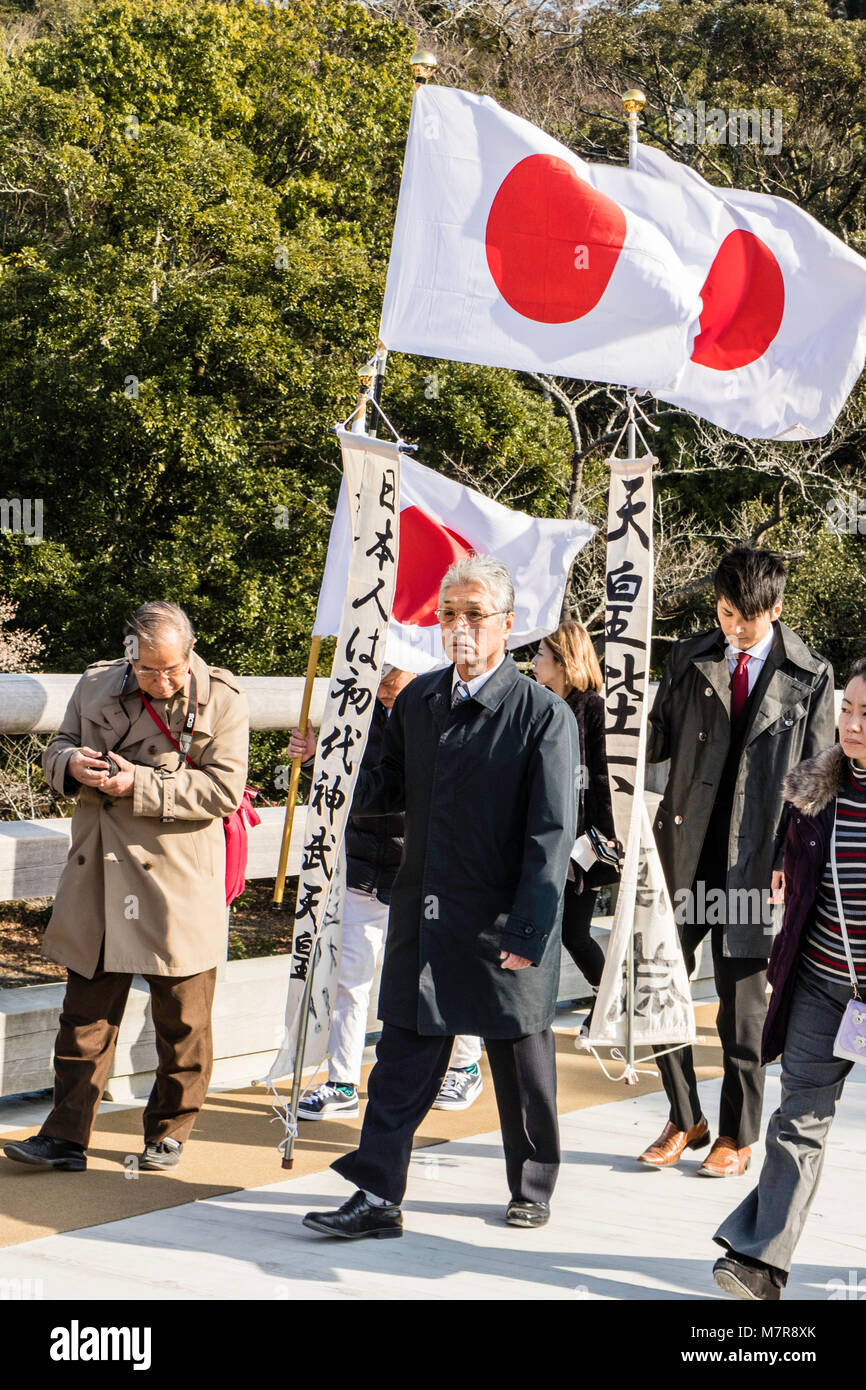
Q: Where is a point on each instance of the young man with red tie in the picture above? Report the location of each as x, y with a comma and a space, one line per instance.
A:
736, 709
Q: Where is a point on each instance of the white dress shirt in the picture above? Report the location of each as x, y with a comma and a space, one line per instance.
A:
757, 656
476, 683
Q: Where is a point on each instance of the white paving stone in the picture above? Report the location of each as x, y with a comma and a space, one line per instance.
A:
618, 1231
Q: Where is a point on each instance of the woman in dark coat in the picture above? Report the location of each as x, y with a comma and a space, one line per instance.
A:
812, 986
567, 664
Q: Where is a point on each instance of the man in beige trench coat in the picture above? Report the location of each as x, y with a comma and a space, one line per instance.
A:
143, 890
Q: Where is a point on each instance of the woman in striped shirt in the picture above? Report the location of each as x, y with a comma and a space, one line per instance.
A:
812, 985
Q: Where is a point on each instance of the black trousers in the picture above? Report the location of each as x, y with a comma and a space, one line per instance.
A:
404, 1084
741, 985
577, 910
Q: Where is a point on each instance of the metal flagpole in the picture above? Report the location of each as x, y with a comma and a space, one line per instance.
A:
357, 423
370, 376
633, 101
423, 65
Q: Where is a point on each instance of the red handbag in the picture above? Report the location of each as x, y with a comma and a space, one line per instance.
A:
235, 825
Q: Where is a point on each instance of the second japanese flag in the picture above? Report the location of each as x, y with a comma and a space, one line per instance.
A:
442, 521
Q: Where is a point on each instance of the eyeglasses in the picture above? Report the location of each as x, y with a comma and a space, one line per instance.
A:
180, 668
474, 617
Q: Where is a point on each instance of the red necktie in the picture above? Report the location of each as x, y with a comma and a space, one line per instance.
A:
739, 686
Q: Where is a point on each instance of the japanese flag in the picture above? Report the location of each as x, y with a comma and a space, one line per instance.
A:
442, 521
783, 323
511, 251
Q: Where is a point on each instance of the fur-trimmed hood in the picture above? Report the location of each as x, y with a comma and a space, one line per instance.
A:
812, 784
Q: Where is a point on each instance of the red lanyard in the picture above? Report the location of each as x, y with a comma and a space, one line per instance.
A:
188, 723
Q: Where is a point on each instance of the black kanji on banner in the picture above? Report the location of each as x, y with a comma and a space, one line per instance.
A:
340, 741
628, 511
380, 547
326, 796
372, 486
366, 658
351, 693
373, 596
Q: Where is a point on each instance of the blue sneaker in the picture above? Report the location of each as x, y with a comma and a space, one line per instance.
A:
330, 1099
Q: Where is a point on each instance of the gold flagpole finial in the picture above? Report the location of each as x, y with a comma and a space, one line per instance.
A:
357, 421
424, 66
367, 372
634, 101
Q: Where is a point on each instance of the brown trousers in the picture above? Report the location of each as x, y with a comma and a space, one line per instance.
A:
83, 1054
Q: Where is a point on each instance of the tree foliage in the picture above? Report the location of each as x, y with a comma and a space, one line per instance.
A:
196, 204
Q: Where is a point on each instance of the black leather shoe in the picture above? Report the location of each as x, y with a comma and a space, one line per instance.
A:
41, 1152
356, 1219
751, 1280
527, 1213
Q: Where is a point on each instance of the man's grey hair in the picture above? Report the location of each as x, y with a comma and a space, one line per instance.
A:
151, 621
486, 570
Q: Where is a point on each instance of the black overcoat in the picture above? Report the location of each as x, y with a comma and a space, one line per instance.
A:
489, 791
690, 723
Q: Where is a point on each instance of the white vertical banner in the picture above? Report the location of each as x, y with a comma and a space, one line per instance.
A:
371, 478
663, 1010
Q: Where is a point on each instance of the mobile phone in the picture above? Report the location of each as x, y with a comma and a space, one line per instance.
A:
603, 851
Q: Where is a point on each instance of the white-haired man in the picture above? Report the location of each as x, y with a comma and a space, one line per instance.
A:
483, 762
374, 849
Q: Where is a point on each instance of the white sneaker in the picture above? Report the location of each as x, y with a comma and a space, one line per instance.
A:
328, 1100
460, 1088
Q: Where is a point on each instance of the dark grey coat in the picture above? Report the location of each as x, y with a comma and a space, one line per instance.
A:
690, 723
489, 792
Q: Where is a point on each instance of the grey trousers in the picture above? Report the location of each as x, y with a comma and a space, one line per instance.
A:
769, 1222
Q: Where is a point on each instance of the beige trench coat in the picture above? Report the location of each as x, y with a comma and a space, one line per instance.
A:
147, 871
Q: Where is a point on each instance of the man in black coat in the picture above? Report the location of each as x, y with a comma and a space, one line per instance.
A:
484, 762
374, 850
736, 709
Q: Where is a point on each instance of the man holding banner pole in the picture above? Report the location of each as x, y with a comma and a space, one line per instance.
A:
484, 763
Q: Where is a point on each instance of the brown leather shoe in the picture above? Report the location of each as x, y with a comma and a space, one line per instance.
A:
725, 1160
671, 1143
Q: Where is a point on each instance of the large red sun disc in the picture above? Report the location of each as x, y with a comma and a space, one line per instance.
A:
744, 300
427, 548
552, 240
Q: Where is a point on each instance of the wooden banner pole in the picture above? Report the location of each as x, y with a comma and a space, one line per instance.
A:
292, 794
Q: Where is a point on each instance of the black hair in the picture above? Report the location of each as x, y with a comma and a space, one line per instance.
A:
858, 669
752, 581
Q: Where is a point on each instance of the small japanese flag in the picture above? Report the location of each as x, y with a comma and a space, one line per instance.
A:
442, 521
